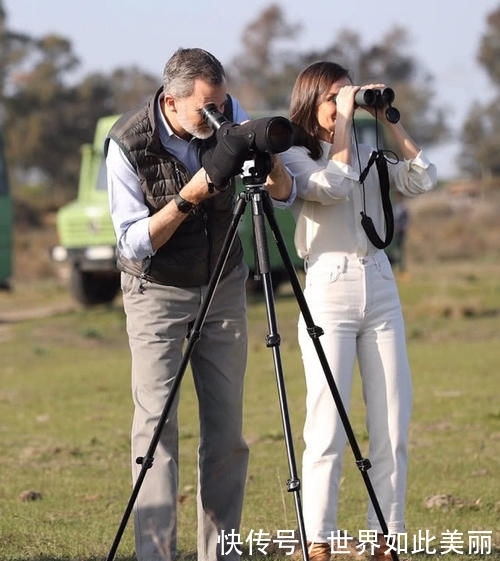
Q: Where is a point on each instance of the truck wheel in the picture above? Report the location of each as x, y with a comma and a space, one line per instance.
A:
91, 288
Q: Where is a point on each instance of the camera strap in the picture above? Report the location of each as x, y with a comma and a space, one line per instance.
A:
377, 157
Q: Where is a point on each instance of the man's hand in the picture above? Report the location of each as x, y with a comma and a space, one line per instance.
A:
279, 181
225, 160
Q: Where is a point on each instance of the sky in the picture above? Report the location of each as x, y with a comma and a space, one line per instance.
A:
444, 37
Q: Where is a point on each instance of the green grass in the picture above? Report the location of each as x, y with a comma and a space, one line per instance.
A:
65, 414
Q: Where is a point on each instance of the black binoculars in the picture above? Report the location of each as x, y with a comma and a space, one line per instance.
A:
379, 98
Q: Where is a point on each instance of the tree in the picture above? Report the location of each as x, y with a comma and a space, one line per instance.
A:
480, 136
262, 76
13, 48
47, 120
130, 86
37, 104
489, 50
389, 62
257, 75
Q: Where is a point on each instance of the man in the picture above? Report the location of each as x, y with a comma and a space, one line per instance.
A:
170, 224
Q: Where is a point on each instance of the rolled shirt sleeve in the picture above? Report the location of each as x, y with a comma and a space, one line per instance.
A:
129, 214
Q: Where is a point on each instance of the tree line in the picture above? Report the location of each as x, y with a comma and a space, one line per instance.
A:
46, 117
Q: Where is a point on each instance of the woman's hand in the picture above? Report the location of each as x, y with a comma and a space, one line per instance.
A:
345, 101
373, 110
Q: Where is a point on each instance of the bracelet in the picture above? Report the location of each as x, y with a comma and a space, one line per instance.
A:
210, 185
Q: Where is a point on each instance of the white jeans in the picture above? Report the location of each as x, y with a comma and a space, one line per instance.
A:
356, 302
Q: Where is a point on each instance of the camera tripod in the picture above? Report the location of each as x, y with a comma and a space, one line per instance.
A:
262, 208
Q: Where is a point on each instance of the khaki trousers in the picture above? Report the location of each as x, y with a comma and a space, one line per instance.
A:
158, 321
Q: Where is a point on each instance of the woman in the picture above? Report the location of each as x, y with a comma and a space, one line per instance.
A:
352, 296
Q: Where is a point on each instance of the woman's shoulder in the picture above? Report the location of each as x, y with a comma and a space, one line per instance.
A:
296, 151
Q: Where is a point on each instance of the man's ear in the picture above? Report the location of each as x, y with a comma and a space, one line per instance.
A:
169, 102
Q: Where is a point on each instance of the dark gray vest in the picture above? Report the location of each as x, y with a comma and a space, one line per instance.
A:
189, 256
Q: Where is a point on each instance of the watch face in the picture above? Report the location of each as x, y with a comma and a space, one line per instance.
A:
183, 205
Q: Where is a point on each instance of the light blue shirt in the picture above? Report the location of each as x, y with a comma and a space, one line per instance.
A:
129, 213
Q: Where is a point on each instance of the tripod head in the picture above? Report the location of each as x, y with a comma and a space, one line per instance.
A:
256, 175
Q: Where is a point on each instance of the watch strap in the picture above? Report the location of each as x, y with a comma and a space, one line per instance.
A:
183, 205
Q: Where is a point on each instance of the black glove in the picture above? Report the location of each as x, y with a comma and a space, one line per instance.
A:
225, 160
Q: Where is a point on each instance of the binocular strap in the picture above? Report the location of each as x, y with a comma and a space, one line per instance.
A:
367, 223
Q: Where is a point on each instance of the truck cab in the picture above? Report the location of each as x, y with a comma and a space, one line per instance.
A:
85, 231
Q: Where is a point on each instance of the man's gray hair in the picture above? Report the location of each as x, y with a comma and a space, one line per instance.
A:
187, 65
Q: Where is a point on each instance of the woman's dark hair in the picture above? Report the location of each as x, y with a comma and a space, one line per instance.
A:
310, 89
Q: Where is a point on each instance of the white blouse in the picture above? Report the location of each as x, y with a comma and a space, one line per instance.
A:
330, 199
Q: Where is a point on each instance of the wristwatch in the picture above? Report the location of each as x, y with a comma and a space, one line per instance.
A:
183, 205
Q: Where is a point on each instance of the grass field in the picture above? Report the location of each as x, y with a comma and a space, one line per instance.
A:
65, 413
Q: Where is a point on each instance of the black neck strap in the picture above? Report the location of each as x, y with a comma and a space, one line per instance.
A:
367, 223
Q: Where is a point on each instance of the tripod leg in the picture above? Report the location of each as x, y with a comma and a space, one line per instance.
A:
146, 462
273, 342
315, 332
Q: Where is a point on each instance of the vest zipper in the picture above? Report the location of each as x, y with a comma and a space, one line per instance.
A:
199, 210
209, 241
178, 177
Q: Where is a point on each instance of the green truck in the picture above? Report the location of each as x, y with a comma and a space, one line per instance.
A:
87, 240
